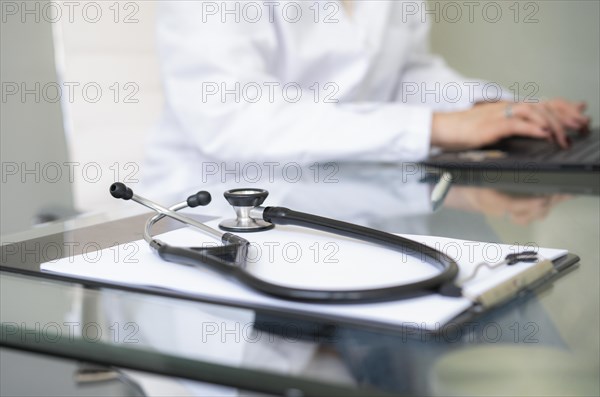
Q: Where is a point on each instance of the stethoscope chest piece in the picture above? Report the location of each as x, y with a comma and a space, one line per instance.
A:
244, 202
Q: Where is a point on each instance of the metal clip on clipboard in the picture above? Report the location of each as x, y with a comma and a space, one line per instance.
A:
511, 287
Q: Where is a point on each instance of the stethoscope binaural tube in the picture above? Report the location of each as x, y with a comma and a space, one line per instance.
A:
234, 248
230, 258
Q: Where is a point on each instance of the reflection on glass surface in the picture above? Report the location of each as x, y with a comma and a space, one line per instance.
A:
553, 333
520, 209
200, 332
59, 377
375, 194
234, 337
533, 370
64, 377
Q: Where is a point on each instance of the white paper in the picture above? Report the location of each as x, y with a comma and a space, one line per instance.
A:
305, 258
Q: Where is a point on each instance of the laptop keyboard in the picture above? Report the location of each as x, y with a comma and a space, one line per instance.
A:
585, 149
520, 152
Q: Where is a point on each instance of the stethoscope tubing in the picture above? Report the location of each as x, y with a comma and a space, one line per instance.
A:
229, 259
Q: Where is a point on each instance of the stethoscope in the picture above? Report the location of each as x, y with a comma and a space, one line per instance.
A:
230, 258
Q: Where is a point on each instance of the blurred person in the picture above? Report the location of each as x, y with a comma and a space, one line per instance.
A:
318, 81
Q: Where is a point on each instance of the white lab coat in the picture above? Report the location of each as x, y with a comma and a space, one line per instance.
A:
367, 66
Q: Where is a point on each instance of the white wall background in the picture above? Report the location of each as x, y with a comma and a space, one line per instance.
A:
110, 132
553, 44
559, 54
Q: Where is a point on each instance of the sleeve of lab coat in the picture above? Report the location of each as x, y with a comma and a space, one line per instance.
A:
200, 55
428, 80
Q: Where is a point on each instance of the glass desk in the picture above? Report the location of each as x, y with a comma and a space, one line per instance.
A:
547, 344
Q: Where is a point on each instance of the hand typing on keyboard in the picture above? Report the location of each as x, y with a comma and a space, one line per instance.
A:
487, 123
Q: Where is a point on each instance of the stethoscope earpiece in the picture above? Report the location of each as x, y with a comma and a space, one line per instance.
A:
120, 191
201, 198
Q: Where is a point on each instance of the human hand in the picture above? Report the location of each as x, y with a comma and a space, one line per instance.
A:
518, 209
487, 123
568, 114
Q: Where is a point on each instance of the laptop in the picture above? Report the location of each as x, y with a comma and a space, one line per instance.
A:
527, 153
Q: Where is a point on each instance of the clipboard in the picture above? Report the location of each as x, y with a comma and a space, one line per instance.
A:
321, 326
362, 315
322, 320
